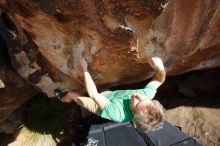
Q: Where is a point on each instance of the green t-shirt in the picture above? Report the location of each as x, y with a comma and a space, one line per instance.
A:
118, 109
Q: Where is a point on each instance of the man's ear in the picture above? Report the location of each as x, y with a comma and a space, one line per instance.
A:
154, 122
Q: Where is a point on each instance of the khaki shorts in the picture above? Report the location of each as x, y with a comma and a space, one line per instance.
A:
89, 104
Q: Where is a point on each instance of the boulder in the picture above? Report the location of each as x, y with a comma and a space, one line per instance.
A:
49, 38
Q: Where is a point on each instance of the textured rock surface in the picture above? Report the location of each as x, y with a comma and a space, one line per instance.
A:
14, 92
187, 35
45, 39
63, 31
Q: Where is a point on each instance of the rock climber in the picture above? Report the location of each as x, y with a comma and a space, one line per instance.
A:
135, 105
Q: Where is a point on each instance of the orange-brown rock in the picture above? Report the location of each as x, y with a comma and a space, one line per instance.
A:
54, 34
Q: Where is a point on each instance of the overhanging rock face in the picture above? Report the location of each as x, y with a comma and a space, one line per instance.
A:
116, 38
188, 35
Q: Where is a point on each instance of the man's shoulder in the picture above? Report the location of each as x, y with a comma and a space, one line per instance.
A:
119, 94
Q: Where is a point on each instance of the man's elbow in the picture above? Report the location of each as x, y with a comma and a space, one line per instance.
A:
93, 93
119, 119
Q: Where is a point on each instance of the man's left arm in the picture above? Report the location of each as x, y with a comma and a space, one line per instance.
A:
158, 78
160, 73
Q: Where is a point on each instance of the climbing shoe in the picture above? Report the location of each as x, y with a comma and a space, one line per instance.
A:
59, 94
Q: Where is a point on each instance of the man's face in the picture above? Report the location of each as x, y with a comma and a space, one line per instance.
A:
139, 102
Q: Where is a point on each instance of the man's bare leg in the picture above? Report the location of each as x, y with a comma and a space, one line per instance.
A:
85, 102
70, 96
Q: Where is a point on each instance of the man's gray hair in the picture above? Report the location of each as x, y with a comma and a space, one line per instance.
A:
154, 118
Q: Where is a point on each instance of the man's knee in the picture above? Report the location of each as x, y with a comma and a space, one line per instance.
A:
73, 94
70, 96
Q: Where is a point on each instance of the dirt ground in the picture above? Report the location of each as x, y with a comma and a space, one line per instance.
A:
192, 101
200, 123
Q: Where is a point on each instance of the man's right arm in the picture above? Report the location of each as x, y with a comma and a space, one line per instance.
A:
99, 99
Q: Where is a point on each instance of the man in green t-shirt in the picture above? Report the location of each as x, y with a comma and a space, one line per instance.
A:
124, 105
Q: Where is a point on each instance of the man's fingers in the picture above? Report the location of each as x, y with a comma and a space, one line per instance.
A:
150, 61
2, 85
84, 64
156, 60
153, 61
156, 63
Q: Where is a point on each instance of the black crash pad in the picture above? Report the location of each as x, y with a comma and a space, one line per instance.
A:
96, 131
